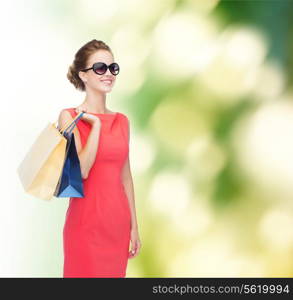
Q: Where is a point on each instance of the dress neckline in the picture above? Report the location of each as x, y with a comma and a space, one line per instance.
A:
101, 114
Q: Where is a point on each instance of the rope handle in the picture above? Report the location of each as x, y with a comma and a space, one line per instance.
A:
69, 123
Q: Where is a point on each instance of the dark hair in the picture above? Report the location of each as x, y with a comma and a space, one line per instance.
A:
80, 61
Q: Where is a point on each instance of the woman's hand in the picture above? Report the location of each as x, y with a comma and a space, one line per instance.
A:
87, 117
135, 243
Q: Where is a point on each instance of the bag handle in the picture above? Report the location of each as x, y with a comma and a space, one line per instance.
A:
69, 123
73, 124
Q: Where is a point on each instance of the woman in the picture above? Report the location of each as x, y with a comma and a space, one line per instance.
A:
100, 226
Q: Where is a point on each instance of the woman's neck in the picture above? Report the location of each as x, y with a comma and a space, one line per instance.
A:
95, 103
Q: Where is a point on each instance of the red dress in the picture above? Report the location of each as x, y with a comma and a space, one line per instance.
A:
96, 233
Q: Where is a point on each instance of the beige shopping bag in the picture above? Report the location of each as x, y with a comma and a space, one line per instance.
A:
41, 167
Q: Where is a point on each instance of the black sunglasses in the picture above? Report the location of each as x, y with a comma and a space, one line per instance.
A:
101, 68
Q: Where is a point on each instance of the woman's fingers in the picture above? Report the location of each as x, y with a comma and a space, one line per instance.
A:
132, 249
135, 247
79, 109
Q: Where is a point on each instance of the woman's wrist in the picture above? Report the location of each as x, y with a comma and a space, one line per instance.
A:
134, 227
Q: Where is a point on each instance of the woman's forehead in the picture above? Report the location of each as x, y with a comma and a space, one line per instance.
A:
104, 56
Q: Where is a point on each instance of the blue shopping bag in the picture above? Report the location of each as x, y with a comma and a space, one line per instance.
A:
70, 182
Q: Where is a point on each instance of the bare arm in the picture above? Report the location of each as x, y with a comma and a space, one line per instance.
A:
129, 190
127, 181
87, 154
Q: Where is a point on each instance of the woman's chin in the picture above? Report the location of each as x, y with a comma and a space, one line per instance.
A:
105, 89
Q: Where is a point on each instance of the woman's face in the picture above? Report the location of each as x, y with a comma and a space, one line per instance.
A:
102, 83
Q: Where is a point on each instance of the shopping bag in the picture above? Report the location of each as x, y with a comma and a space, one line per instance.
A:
70, 183
40, 169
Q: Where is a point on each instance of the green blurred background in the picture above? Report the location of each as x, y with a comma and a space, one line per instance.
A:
207, 86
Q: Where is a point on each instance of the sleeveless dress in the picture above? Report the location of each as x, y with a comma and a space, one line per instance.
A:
96, 232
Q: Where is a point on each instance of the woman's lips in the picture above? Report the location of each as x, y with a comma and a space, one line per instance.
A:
107, 81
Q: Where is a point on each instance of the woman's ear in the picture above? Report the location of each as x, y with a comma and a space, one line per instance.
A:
82, 76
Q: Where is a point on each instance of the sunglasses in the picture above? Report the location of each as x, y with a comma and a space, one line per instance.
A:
101, 68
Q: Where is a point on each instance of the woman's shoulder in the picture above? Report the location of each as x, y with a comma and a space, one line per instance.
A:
123, 117
66, 112
69, 109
